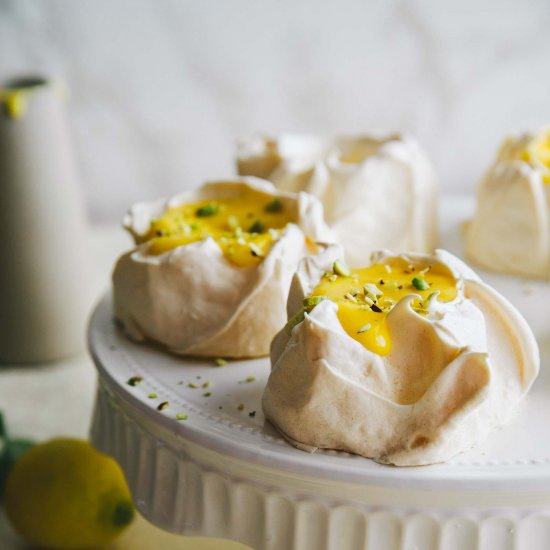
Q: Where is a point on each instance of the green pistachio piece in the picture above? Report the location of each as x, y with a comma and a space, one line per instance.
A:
274, 206
420, 284
208, 210
257, 227
312, 301
340, 268
295, 320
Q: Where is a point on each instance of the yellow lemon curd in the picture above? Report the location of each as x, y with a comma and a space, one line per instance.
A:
536, 153
365, 296
245, 227
539, 153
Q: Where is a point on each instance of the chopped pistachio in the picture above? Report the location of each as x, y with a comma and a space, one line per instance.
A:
152, 395
372, 291
354, 291
162, 406
233, 222
181, 416
375, 308
350, 297
206, 384
241, 241
135, 381
192, 385
256, 227
252, 414
207, 394
255, 250
208, 210
220, 362
387, 303
294, 320
248, 380
274, 206
312, 301
240, 407
368, 300
387, 268
238, 232
429, 299
340, 268
419, 283
364, 328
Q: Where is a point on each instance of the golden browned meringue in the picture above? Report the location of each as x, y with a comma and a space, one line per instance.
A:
377, 193
460, 361
510, 230
205, 279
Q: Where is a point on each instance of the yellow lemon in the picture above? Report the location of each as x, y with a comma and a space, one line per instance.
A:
65, 494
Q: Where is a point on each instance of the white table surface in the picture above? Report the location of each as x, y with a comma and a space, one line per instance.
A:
42, 401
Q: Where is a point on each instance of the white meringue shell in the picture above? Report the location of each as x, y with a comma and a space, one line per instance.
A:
450, 378
510, 230
386, 197
192, 300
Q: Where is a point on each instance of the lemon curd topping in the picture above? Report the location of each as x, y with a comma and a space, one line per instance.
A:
539, 153
536, 153
365, 296
245, 227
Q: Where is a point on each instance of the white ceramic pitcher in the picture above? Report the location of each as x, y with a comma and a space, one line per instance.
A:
44, 269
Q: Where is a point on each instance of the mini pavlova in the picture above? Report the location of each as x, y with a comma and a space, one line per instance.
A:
510, 230
377, 193
407, 361
211, 269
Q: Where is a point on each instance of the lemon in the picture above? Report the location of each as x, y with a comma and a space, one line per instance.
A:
65, 494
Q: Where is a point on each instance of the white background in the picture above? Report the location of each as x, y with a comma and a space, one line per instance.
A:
162, 88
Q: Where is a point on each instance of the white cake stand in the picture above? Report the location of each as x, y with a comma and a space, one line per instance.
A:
224, 472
